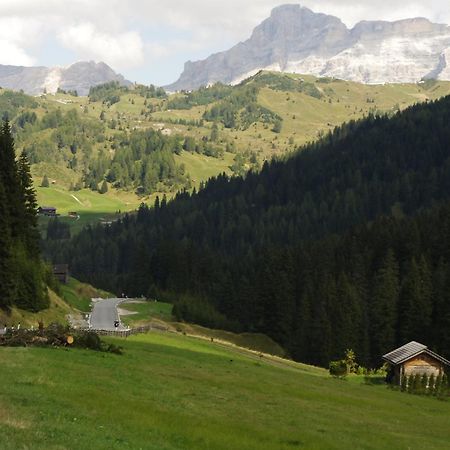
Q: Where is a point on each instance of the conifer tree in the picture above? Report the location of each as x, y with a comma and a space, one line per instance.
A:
8, 173
31, 233
7, 285
385, 294
45, 183
103, 188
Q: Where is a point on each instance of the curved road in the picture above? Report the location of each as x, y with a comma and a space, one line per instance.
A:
104, 313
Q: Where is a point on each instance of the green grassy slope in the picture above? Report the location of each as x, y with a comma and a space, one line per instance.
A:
149, 312
202, 167
173, 392
304, 117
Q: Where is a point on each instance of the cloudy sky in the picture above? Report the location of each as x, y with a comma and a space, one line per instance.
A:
149, 40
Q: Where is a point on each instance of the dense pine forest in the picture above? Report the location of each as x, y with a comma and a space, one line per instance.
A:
344, 245
22, 273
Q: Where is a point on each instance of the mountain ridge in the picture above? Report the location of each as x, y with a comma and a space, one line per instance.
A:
297, 40
79, 76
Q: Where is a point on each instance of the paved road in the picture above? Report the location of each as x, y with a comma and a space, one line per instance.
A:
104, 313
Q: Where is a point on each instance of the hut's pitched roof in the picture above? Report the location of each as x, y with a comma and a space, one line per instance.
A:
410, 350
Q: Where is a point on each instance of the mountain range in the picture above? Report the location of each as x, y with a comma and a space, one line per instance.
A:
297, 40
80, 77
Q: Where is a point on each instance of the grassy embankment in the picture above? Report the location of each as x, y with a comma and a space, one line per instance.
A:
78, 295
176, 392
57, 312
74, 298
150, 312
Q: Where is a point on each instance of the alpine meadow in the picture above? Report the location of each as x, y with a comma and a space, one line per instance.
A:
252, 252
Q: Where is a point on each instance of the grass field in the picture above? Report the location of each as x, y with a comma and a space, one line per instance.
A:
202, 167
174, 392
91, 207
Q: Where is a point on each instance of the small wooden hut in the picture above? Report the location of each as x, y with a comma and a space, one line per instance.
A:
415, 359
49, 211
61, 272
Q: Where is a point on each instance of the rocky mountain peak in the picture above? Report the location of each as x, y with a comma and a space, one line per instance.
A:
296, 39
293, 23
79, 77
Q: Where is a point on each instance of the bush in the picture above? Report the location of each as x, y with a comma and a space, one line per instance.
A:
89, 340
338, 368
112, 348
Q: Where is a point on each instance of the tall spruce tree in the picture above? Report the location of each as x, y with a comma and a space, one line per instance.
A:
385, 294
9, 175
29, 209
7, 285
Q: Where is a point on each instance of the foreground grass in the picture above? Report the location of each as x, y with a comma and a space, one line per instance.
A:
174, 392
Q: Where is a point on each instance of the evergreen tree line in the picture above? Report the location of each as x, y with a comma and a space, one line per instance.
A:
142, 160
70, 139
341, 246
201, 96
285, 83
240, 109
110, 92
22, 273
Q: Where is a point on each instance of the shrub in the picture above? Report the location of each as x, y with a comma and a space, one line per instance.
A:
89, 340
45, 182
338, 368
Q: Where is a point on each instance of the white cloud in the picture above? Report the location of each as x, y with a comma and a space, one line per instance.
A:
123, 50
15, 33
12, 54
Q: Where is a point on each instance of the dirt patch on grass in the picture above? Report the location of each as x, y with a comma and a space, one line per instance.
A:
125, 312
9, 419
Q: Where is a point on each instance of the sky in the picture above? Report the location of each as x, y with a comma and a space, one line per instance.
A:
149, 41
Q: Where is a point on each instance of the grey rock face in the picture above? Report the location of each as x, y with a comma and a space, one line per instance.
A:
79, 76
295, 39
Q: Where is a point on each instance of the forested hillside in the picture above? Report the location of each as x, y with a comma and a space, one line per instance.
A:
278, 251
22, 273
